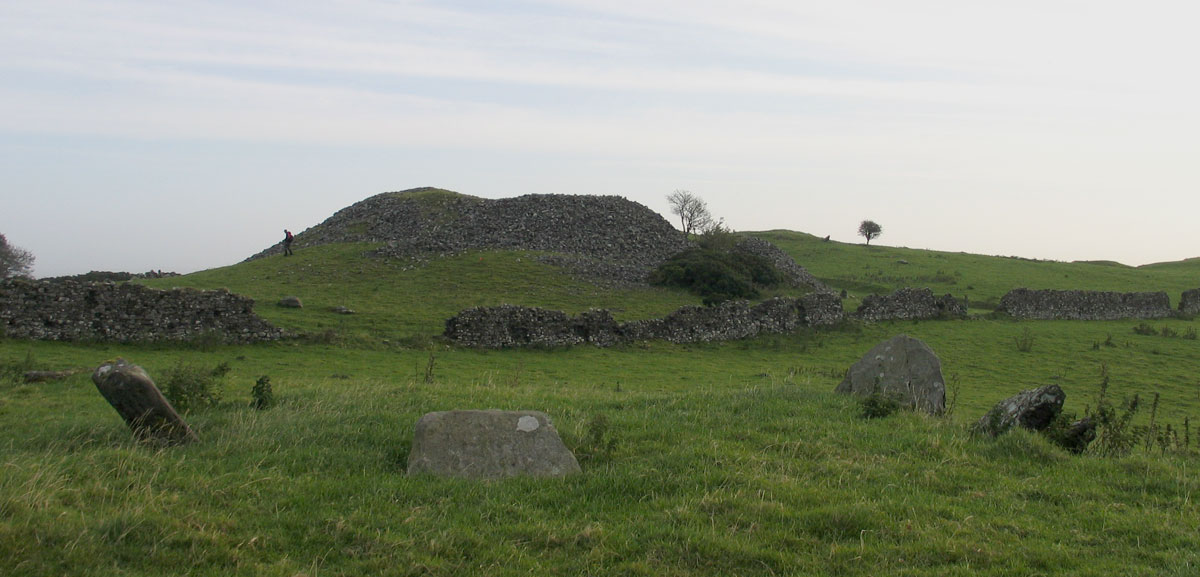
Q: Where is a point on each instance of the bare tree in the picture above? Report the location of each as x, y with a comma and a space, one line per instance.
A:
691, 209
869, 229
14, 261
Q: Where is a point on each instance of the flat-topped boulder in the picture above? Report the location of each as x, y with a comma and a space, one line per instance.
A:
489, 444
902, 369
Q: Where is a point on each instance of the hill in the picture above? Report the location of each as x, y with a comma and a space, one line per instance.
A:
605, 238
708, 459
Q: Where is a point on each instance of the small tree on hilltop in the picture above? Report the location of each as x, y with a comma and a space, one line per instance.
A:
14, 261
691, 209
869, 229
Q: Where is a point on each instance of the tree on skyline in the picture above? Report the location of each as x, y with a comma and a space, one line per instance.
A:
869, 229
691, 209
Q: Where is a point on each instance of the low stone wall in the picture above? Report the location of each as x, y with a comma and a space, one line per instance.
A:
66, 310
1085, 305
1189, 302
516, 326
911, 303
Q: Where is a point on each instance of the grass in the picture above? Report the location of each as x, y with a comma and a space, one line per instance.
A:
717, 459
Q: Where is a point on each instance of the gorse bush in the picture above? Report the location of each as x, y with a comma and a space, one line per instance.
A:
261, 395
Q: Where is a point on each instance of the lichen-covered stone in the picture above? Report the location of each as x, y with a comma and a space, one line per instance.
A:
489, 445
903, 369
1033, 409
1189, 302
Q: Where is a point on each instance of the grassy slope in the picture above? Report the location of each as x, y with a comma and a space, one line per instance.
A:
730, 459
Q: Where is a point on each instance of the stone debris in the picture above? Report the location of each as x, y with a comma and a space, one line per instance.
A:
1034, 409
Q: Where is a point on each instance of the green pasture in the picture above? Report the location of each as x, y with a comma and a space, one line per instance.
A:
710, 459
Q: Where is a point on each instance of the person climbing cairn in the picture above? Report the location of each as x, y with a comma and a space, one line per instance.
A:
287, 242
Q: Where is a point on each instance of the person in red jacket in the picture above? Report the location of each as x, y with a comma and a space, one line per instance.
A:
287, 242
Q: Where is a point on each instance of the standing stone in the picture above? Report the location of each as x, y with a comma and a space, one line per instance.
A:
903, 369
1034, 409
133, 394
489, 445
1189, 302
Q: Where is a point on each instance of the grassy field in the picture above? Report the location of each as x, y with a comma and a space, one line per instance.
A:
715, 459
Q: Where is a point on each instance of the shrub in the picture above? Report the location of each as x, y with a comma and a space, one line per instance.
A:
262, 397
1025, 341
191, 386
1144, 328
877, 406
717, 275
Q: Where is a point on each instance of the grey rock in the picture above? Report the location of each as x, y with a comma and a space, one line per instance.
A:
137, 399
489, 445
1033, 409
291, 302
1078, 436
1189, 302
902, 368
1024, 303
341, 310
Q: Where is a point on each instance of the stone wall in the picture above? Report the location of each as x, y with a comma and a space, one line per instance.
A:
911, 303
1189, 302
1025, 303
66, 310
515, 326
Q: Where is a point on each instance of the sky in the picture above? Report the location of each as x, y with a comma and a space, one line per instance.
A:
183, 136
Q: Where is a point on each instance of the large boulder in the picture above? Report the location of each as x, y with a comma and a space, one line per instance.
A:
1034, 409
134, 395
489, 445
903, 369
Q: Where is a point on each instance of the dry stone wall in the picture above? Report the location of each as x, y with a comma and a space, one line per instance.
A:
1025, 303
516, 326
73, 311
911, 303
1189, 302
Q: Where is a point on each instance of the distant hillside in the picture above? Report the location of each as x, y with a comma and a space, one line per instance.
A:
608, 236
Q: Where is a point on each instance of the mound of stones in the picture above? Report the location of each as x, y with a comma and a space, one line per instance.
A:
489, 445
609, 234
902, 369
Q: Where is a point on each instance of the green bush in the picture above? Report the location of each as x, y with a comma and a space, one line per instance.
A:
191, 386
717, 275
262, 397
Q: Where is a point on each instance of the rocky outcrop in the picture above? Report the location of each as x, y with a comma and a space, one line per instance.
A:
73, 311
489, 445
911, 304
1024, 303
902, 369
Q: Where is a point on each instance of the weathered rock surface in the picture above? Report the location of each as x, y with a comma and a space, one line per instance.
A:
489, 445
903, 369
1189, 302
291, 302
1033, 409
135, 397
1024, 303
1078, 436
66, 310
